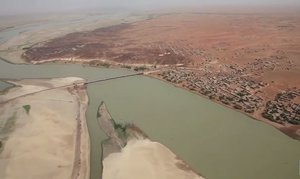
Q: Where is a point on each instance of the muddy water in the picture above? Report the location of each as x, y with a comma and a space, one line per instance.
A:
10, 71
216, 141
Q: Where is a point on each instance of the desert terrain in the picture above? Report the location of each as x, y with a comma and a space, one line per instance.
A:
20, 33
249, 62
43, 132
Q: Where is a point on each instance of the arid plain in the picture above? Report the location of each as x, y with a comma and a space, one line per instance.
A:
246, 61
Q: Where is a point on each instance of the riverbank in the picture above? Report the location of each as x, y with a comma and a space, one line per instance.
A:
242, 140
289, 130
44, 134
128, 153
244, 74
292, 131
142, 158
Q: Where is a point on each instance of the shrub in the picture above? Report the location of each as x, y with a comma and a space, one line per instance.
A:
27, 108
142, 68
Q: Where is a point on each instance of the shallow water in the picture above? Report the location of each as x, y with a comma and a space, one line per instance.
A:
4, 85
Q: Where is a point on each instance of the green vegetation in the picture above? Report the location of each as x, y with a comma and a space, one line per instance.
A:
27, 108
99, 63
295, 122
1, 146
10, 122
142, 68
98, 114
121, 127
106, 65
121, 130
126, 66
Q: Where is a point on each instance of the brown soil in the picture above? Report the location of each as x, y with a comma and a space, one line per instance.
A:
191, 39
181, 38
266, 47
292, 131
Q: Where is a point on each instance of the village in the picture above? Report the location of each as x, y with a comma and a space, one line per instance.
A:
229, 89
282, 109
234, 87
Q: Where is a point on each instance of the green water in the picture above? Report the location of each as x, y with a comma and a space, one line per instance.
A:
10, 71
216, 141
4, 85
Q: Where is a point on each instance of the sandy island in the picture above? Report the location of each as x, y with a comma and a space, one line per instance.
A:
128, 153
148, 160
44, 134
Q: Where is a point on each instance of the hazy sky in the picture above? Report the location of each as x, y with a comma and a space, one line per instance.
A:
25, 6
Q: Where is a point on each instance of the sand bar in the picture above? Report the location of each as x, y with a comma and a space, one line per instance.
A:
148, 160
44, 135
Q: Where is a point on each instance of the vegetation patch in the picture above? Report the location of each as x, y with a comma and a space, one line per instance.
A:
27, 108
121, 130
106, 65
10, 122
1, 146
141, 68
98, 114
126, 66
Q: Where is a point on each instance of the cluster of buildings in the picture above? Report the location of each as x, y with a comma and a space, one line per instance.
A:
259, 66
231, 89
238, 87
282, 109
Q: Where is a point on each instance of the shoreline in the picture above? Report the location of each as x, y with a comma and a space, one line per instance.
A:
290, 130
119, 66
82, 150
254, 105
120, 142
295, 134
280, 127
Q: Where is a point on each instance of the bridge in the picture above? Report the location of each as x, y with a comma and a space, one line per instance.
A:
74, 85
112, 78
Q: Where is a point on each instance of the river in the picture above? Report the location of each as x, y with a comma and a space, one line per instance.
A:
216, 141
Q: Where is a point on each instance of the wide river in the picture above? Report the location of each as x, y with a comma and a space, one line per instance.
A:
218, 142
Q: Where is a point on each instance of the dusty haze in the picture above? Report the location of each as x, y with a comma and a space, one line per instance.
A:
10, 7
